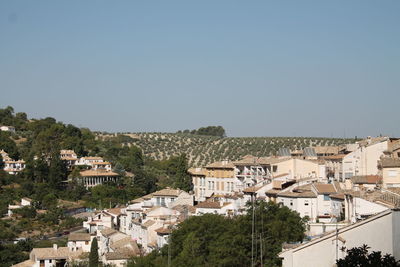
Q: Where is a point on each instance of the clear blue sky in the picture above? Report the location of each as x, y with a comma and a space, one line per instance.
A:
258, 68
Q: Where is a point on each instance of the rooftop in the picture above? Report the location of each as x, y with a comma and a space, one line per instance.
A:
208, 205
168, 192
366, 179
55, 253
221, 165
79, 237
390, 162
324, 188
108, 231
89, 173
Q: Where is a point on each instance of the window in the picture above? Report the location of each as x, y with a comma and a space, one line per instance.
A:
348, 175
172, 199
327, 198
291, 202
86, 242
305, 202
274, 168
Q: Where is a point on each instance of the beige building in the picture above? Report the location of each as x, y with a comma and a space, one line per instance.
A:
215, 178
299, 168
390, 168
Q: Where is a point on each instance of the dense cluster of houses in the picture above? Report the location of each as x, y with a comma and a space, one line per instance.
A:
349, 194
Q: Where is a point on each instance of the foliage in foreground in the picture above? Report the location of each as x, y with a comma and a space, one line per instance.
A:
359, 256
214, 240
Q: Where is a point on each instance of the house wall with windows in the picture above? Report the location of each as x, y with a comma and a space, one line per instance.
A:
391, 177
305, 206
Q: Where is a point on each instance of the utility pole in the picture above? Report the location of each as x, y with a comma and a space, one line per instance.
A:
337, 244
261, 251
252, 233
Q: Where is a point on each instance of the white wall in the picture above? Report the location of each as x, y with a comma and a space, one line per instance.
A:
381, 233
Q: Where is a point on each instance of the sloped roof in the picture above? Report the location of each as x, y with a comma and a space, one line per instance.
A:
252, 160
183, 208
221, 165
303, 191
366, 179
197, 171
120, 254
121, 243
324, 188
89, 173
79, 237
148, 223
208, 205
27, 263
338, 196
168, 192
390, 162
59, 253
163, 231
108, 231
334, 157
251, 189
272, 192
116, 211
326, 149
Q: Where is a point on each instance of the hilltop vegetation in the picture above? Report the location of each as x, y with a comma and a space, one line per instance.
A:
202, 149
218, 131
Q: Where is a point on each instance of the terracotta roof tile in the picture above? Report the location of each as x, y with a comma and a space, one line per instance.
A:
366, 179
324, 188
208, 205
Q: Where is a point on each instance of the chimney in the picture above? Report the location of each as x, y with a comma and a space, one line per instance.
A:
55, 246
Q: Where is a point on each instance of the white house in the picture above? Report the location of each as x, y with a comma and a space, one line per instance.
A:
98, 222
14, 166
79, 242
24, 202
364, 159
69, 156
50, 257
301, 199
5, 128
380, 232
89, 160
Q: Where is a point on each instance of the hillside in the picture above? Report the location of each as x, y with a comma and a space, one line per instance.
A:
202, 150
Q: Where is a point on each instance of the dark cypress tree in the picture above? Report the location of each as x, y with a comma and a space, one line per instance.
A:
94, 254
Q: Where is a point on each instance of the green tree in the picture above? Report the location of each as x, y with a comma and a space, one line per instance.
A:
134, 160
94, 254
177, 169
26, 212
359, 256
57, 170
214, 240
